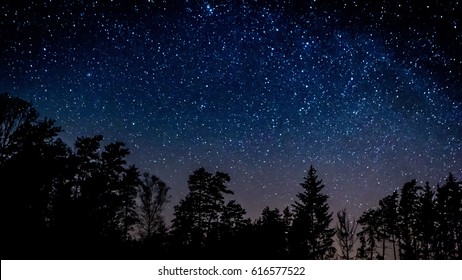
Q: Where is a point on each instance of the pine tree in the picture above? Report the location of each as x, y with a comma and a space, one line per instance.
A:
426, 223
310, 236
449, 219
287, 217
234, 231
232, 217
369, 230
388, 208
409, 205
104, 190
197, 216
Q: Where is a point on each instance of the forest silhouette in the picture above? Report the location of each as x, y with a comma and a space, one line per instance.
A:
86, 202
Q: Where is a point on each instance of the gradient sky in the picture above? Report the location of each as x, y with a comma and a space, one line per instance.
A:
370, 94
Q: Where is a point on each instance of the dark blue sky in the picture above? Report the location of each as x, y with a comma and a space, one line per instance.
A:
370, 94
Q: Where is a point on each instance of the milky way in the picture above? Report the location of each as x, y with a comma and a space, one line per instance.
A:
370, 94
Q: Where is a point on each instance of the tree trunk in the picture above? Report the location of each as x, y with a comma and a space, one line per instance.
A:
383, 248
394, 246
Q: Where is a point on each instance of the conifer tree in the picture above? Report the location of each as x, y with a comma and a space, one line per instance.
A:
388, 208
449, 219
197, 216
369, 222
408, 210
310, 236
426, 223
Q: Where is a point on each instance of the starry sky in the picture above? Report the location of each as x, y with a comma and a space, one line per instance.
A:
369, 92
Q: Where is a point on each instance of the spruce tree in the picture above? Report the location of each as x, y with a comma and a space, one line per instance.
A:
310, 236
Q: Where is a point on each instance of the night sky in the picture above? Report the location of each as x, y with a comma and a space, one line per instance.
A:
369, 92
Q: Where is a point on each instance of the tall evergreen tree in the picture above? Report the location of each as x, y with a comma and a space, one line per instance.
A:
369, 222
426, 222
388, 208
409, 205
287, 217
104, 192
311, 236
449, 219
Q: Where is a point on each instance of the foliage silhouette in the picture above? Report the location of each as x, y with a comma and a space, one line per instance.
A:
310, 236
346, 234
421, 223
153, 197
448, 206
271, 241
152, 230
388, 209
196, 226
368, 234
88, 202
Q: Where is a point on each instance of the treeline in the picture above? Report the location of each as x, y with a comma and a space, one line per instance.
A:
418, 223
86, 202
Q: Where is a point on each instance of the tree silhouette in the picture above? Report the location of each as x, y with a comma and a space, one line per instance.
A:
362, 251
408, 210
426, 223
311, 236
197, 216
232, 217
271, 240
153, 196
234, 230
287, 218
369, 221
81, 202
388, 209
449, 219
103, 192
16, 116
346, 234
31, 162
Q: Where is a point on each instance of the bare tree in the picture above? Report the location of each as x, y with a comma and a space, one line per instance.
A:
346, 233
153, 196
